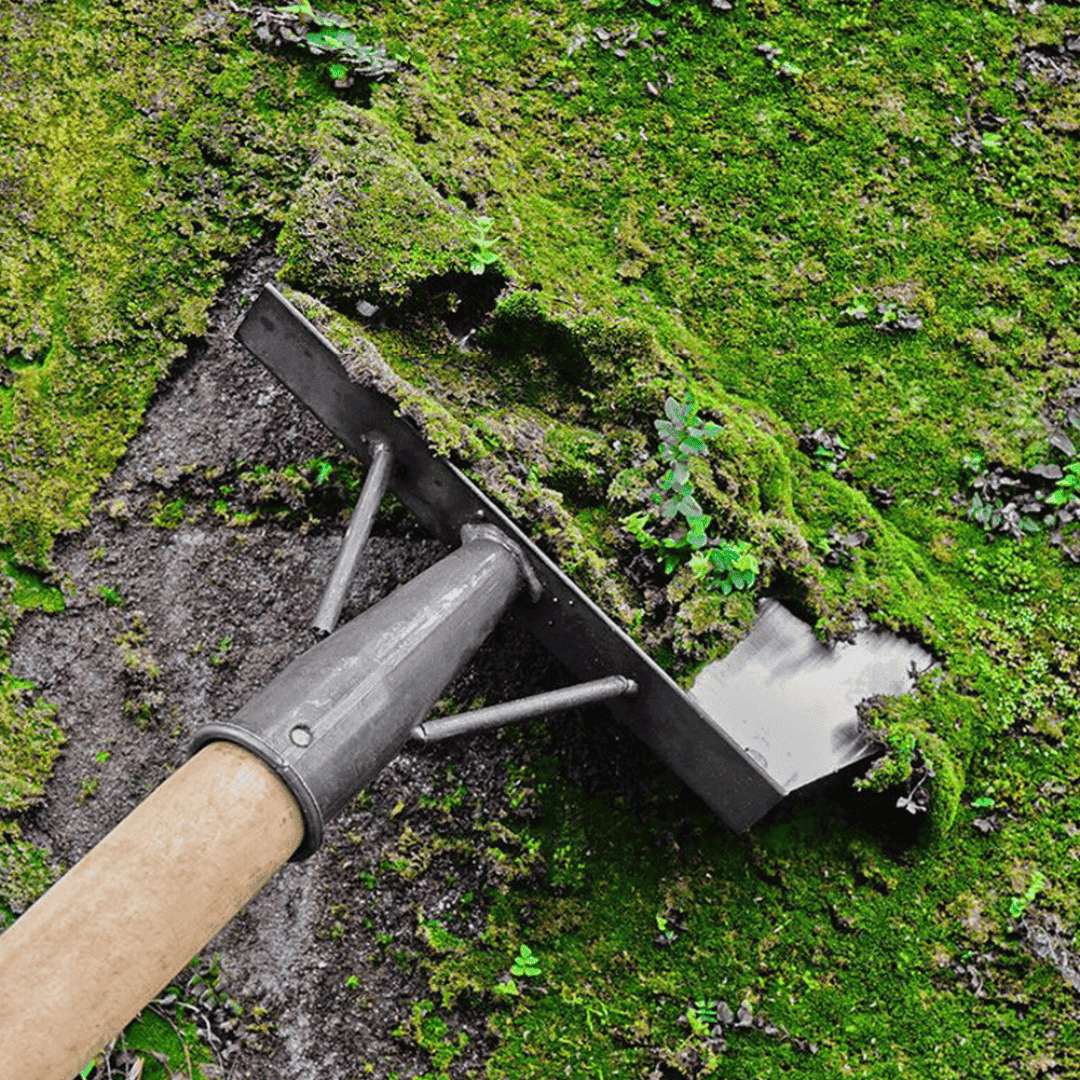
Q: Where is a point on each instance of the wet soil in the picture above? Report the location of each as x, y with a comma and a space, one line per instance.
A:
187, 592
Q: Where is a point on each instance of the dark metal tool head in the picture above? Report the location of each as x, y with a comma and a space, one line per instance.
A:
778, 714
565, 621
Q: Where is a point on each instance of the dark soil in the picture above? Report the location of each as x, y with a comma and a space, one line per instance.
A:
187, 590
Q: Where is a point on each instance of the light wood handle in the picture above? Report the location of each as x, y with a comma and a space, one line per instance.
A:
111, 933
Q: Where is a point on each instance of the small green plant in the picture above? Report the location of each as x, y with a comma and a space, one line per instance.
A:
784, 68
826, 458
170, 516
720, 564
729, 565
325, 33
1068, 487
983, 802
111, 597
665, 931
323, 469
826, 449
1019, 904
706, 1011
221, 652
525, 963
352, 983
102, 756
483, 253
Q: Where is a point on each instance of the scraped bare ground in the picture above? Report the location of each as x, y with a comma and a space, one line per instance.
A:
258, 586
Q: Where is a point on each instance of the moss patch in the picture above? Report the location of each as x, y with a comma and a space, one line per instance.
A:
365, 223
852, 218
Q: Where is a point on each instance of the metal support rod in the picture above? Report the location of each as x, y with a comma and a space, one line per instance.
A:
493, 716
356, 536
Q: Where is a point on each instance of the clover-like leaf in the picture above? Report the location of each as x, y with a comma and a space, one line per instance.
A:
526, 962
689, 507
696, 537
671, 560
668, 431
700, 564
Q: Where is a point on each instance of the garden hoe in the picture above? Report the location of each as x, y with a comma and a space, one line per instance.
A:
258, 791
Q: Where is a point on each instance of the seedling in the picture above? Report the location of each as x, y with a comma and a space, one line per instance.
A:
707, 1011
221, 652
772, 52
731, 565
721, 564
483, 254
323, 469
525, 963
111, 597
1018, 905
666, 934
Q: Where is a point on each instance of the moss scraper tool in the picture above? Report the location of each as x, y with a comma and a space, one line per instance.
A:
258, 791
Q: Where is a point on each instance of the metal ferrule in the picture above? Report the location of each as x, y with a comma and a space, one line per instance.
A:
340, 711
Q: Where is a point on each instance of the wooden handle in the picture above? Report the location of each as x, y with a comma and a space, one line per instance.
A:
112, 932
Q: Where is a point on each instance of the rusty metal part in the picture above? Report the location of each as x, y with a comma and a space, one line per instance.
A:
340, 711
509, 712
356, 536
674, 726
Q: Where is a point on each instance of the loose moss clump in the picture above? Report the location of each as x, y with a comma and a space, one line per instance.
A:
365, 224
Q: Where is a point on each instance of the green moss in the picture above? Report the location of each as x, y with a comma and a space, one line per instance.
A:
681, 217
25, 873
30, 739
365, 223
30, 590
840, 954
